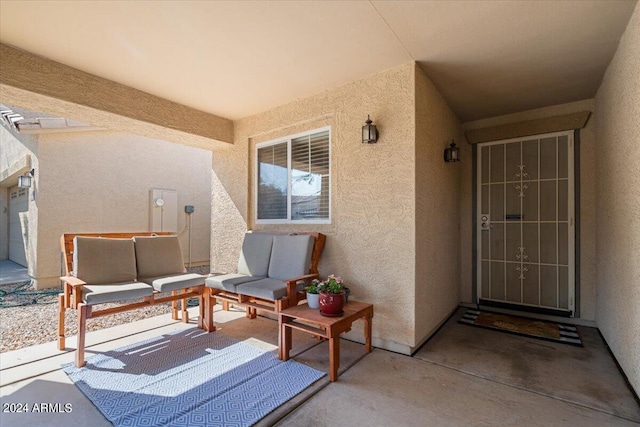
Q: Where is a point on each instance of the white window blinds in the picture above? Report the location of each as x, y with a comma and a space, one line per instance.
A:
293, 179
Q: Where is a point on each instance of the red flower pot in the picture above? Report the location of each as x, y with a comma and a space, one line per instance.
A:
332, 305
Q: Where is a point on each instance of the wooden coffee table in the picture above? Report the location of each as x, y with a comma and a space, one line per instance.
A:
324, 327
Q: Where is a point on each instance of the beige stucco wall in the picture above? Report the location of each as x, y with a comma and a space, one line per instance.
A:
18, 154
438, 216
13, 147
370, 241
587, 208
618, 203
100, 182
39, 84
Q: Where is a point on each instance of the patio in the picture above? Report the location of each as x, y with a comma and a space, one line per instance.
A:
404, 227
462, 376
10, 272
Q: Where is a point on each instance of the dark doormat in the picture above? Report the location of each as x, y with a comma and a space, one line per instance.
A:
550, 331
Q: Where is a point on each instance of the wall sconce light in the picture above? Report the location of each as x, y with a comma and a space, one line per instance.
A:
369, 132
452, 153
24, 181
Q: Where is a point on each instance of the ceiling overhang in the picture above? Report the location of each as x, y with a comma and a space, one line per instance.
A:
86, 98
530, 127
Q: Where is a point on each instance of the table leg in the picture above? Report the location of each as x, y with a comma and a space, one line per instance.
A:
284, 339
367, 333
334, 357
288, 339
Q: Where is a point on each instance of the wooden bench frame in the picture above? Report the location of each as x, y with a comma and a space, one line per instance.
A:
253, 304
71, 296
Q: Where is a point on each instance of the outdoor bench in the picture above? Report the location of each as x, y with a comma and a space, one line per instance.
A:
273, 270
122, 267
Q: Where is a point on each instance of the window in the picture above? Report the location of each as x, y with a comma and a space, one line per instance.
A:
293, 179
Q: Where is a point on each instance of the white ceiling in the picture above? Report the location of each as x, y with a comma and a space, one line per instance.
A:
235, 59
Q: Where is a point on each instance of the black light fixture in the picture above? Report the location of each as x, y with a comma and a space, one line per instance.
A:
452, 153
24, 181
369, 132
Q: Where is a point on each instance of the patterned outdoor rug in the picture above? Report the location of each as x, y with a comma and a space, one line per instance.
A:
189, 378
550, 331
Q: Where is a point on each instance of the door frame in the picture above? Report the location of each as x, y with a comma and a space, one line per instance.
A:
571, 218
19, 231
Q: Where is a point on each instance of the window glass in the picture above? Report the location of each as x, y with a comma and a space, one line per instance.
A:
272, 182
294, 179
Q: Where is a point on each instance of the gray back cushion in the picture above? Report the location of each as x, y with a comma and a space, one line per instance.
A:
290, 256
99, 260
255, 254
158, 256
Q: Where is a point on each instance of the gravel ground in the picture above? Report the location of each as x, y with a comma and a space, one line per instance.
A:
37, 321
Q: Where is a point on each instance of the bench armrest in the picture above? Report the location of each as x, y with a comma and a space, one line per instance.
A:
72, 289
298, 279
72, 281
292, 287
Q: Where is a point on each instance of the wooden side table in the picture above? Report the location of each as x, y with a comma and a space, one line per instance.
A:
325, 327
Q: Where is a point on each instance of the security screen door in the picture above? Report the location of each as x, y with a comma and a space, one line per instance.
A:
526, 223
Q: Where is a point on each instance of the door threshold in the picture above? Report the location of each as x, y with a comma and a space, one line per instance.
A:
525, 308
567, 320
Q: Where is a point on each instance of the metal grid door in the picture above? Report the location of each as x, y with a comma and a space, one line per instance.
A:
526, 223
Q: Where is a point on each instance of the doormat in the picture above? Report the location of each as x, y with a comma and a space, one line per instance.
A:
550, 331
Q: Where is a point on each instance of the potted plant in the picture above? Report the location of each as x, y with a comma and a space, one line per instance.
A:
313, 293
332, 297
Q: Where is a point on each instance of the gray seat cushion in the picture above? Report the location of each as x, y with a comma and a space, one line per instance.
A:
98, 260
99, 294
269, 289
255, 254
228, 282
290, 256
175, 282
158, 256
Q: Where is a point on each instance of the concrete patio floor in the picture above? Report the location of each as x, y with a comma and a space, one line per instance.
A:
463, 376
10, 272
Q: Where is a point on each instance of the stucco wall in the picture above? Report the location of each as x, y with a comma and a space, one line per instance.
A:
618, 205
14, 146
370, 241
587, 207
100, 182
438, 215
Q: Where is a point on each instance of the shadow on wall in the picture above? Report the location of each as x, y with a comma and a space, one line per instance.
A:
228, 226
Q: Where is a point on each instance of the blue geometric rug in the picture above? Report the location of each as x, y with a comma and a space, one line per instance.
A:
189, 378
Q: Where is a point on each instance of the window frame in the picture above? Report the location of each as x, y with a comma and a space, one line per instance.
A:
256, 179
